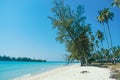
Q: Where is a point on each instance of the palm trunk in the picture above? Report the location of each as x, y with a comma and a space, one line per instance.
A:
110, 35
113, 59
103, 48
106, 36
95, 52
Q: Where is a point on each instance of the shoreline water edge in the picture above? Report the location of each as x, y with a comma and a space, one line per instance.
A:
71, 72
12, 69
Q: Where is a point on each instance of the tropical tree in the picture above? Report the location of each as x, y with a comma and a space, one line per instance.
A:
97, 44
99, 56
100, 36
116, 3
108, 15
105, 53
104, 17
92, 38
72, 30
101, 20
116, 53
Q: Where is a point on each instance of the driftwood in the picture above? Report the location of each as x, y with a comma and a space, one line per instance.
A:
84, 72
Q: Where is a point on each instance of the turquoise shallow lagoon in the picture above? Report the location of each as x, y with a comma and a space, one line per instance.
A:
11, 69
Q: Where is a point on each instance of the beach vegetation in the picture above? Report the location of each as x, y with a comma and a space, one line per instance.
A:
81, 42
116, 3
72, 30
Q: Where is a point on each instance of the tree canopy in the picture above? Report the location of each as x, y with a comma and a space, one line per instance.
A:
72, 29
76, 34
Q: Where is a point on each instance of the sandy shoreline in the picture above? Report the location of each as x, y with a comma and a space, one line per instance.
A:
72, 72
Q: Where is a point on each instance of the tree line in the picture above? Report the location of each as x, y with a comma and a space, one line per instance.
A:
7, 58
79, 39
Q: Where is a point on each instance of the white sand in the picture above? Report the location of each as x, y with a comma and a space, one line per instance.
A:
72, 72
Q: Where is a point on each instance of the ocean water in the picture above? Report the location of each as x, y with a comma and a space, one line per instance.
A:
10, 69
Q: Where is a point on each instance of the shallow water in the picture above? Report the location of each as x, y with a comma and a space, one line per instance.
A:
11, 69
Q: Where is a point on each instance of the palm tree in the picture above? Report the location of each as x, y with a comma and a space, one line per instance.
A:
96, 43
101, 20
108, 16
104, 16
100, 36
116, 3
92, 39
99, 56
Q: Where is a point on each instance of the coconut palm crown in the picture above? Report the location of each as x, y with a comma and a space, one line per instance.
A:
100, 35
105, 15
116, 3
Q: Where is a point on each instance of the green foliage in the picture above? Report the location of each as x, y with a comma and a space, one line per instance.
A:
100, 35
105, 15
116, 52
77, 35
72, 30
116, 3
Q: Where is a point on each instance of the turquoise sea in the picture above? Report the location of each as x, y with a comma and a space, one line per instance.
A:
11, 69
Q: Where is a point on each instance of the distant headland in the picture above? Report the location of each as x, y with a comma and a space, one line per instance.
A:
26, 59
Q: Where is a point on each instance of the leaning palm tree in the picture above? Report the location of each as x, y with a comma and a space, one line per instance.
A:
116, 3
101, 20
108, 15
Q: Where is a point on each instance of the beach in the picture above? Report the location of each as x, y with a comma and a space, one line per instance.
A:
72, 72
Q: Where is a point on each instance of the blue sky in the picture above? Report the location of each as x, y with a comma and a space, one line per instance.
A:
25, 29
